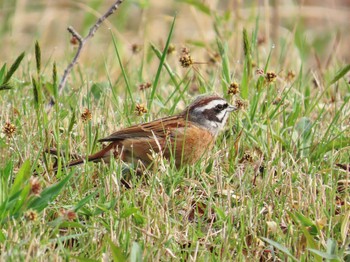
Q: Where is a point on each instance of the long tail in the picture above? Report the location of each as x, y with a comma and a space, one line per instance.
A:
103, 154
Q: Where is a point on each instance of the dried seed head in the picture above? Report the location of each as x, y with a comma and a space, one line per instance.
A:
35, 186
185, 51
144, 86
136, 48
86, 115
259, 71
140, 109
233, 89
277, 101
186, 61
270, 77
171, 49
247, 157
71, 215
9, 129
240, 104
68, 214
31, 215
290, 76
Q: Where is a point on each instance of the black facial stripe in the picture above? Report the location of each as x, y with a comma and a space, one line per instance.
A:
212, 115
221, 107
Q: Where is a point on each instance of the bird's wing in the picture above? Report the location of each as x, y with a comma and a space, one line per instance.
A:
159, 128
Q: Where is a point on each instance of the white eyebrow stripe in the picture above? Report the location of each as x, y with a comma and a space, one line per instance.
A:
210, 105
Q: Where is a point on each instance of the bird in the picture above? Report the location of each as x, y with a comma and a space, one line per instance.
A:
184, 137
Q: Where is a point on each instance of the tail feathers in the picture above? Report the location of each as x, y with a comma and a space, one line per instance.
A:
103, 154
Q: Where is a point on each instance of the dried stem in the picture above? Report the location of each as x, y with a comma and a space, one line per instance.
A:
82, 41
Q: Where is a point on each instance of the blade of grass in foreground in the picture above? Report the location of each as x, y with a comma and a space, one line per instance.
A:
280, 247
166, 65
198, 5
331, 253
162, 61
226, 72
247, 70
305, 222
340, 74
48, 194
117, 253
12, 70
126, 79
21, 177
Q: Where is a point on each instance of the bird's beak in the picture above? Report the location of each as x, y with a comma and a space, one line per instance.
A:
231, 108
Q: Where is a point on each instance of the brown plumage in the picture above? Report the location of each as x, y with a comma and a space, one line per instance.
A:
184, 137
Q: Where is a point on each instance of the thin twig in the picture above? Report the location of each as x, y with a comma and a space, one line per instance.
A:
82, 41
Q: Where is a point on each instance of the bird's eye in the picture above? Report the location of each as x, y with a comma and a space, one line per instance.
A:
221, 107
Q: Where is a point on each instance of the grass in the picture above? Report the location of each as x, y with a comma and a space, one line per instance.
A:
271, 189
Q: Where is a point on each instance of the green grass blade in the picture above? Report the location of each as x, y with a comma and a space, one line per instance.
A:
303, 224
324, 254
336, 143
198, 5
345, 226
21, 177
247, 66
117, 253
2, 72
2, 237
54, 81
20, 201
331, 246
126, 79
161, 63
13, 68
36, 94
72, 121
342, 72
5, 174
38, 57
335, 118
247, 52
166, 65
280, 247
48, 195
226, 72
136, 253
84, 201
